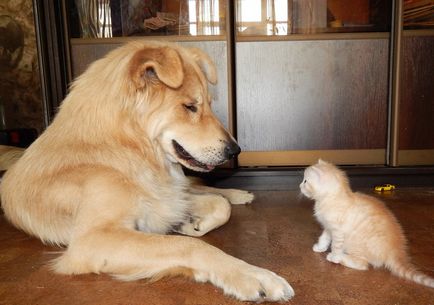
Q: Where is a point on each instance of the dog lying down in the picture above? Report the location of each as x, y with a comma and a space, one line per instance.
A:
105, 178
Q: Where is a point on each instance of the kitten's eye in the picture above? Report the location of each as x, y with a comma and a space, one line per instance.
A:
304, 181
190, 107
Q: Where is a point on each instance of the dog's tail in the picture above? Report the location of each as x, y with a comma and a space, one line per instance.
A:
9, 155
404, 269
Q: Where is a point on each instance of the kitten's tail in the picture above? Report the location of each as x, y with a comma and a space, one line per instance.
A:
403, 269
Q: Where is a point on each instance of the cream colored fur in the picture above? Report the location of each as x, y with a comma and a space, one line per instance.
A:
105, 178
359, 228
9, 155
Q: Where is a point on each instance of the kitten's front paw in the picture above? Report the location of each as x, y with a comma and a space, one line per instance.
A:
334, 258
319, 248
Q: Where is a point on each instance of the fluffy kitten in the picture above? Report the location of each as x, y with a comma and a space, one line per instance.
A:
360, 228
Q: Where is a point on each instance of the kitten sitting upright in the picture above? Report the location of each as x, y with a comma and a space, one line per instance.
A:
360, 228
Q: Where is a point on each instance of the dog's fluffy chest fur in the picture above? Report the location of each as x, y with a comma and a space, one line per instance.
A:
169, 206
163, 214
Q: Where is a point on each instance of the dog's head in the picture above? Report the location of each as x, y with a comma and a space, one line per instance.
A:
171, 85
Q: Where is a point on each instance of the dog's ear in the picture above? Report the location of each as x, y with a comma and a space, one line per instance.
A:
206, 64
162, 63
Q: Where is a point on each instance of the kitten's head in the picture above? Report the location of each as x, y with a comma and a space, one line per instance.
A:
323, 179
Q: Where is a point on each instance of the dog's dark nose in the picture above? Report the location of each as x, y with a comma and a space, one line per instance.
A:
232, 149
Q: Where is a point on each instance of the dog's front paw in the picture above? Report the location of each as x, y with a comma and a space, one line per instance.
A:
334, 258
319, 248
191, 227
239, 196
250, 283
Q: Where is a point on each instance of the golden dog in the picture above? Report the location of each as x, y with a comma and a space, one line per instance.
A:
105, 178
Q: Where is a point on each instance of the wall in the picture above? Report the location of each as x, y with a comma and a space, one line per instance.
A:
20, 88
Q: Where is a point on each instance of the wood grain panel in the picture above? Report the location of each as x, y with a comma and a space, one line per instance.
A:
308, 157
312, 95
84, 54
416, 119
415, 157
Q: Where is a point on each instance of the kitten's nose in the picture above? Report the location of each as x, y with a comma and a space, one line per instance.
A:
232, 149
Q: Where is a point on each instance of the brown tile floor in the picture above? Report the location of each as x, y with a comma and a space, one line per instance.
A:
276, 232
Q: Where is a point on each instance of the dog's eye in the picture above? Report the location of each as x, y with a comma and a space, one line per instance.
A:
192, 108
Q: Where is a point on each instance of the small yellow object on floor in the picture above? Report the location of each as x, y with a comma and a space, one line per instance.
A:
384, 188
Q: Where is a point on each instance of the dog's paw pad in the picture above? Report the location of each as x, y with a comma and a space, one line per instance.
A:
257, 284
240, 197
191, 227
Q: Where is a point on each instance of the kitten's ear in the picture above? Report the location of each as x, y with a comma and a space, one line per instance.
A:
315, 173
320, 161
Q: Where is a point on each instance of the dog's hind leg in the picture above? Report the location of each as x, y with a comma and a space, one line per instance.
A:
208, 212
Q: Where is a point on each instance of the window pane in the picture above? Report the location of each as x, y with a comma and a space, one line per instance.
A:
114, 18
285, 17
418, 14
